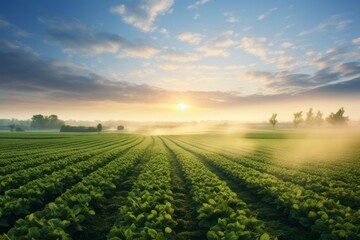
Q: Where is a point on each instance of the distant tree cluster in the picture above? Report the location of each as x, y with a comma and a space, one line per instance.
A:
68, 128
16, 128
313, 119
120, 127
46, 122
338, 118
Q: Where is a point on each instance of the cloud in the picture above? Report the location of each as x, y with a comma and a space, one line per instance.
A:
180, 57
29, 79
168, 67
286, 81
217, 45
230, 18
286, 45
349, 69
254, 46
356, 41
267, 13
24, 73
198, 3
193, 38
209, 51
164, 31
196, 16
76, 37
143, 13
6, 25
139, 51
333, 22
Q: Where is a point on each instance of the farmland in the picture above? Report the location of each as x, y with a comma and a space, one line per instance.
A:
248, 185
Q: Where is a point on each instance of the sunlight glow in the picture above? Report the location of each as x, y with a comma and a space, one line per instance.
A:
182, 106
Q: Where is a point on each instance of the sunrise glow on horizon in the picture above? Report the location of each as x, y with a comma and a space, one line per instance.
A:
173, 60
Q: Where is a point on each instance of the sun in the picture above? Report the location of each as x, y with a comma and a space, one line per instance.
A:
182, 106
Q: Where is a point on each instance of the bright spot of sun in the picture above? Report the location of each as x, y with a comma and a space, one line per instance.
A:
182, 106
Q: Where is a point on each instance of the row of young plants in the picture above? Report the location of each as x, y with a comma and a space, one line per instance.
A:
21, 177
343, 169
219, 209
60, 148
148, 213
33, 195
324, 216
32, 161
348, 194
15, 150
65, 216
344, 172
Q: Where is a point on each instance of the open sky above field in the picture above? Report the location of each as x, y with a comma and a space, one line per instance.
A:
179, 60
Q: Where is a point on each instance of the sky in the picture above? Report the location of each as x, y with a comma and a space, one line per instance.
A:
172, 60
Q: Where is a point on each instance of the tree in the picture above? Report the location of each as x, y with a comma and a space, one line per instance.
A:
120, 127
338, 117
99, 127
273, 120
12, 127
19, 129
298, 118
37, 121
319, 118
310, 119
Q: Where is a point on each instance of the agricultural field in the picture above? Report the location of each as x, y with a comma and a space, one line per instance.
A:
246, 185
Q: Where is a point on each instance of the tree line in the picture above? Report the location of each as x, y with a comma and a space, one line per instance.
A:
40, 121
68, 128
314, 119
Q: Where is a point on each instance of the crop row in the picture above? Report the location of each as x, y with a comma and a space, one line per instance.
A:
325, 216
65, 216
343, 169
347, 194
21, 177
16, 150
23, 200
218, 208
32, 161
148, 213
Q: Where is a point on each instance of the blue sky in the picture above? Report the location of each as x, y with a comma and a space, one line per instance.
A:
144, 57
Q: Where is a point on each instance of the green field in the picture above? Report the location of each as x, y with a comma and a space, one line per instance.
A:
246, 185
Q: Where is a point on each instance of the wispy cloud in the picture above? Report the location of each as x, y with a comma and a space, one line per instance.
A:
143, 13
198, 3
76, 37
266, 14
193, 38
217, 45
286, 45
356, 41
333, 22
6, 25
180, 57
254, 46
230, 17
24, 75
140, 51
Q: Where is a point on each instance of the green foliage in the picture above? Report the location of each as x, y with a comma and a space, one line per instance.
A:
67, 128
273, 121
53, 186
338, 118
149, 212
99, 127
298, 118
12, 127
46, 122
